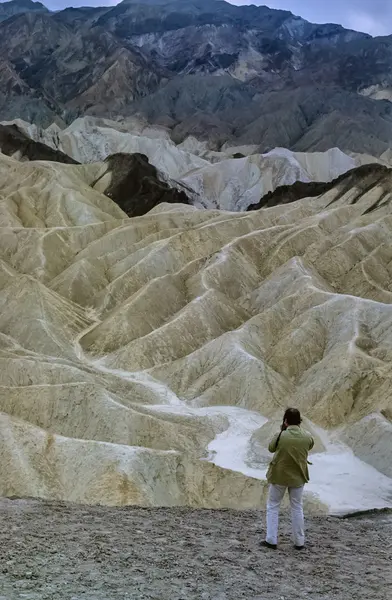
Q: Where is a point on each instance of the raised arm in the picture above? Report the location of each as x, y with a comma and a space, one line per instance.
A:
274, 442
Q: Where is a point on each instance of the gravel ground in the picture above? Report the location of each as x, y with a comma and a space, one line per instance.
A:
56, 551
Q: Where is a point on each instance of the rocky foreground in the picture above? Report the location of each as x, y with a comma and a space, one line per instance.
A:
55, 551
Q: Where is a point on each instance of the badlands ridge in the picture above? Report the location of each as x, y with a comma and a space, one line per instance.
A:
148, 360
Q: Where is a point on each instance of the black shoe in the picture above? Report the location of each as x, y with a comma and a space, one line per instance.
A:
268, 545
299, 547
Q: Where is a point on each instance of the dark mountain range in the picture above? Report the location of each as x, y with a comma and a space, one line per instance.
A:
17, 7
201, 67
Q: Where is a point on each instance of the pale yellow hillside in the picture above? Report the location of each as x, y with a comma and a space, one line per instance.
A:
135, 353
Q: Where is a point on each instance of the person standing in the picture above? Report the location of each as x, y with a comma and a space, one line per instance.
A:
288, 470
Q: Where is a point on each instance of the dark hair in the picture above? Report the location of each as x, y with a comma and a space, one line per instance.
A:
292, 416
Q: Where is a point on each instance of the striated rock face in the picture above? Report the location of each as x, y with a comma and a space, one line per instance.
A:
225, 73
66, 71
14, 142
364, 177
142, 357
228, 180
128, 179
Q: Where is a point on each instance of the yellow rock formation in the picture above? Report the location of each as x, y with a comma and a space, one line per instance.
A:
139, 358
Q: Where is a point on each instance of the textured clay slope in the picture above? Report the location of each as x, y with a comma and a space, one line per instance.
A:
141, 358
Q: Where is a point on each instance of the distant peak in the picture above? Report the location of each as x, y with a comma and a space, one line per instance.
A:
28, 4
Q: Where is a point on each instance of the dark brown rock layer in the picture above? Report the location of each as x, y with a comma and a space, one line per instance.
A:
13, 141
363, 179
136, 185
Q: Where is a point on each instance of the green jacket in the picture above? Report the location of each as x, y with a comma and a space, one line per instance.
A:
289, 465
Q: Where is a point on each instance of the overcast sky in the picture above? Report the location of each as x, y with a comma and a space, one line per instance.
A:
372, 16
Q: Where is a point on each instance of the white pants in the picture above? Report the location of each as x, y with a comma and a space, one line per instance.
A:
275, 497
